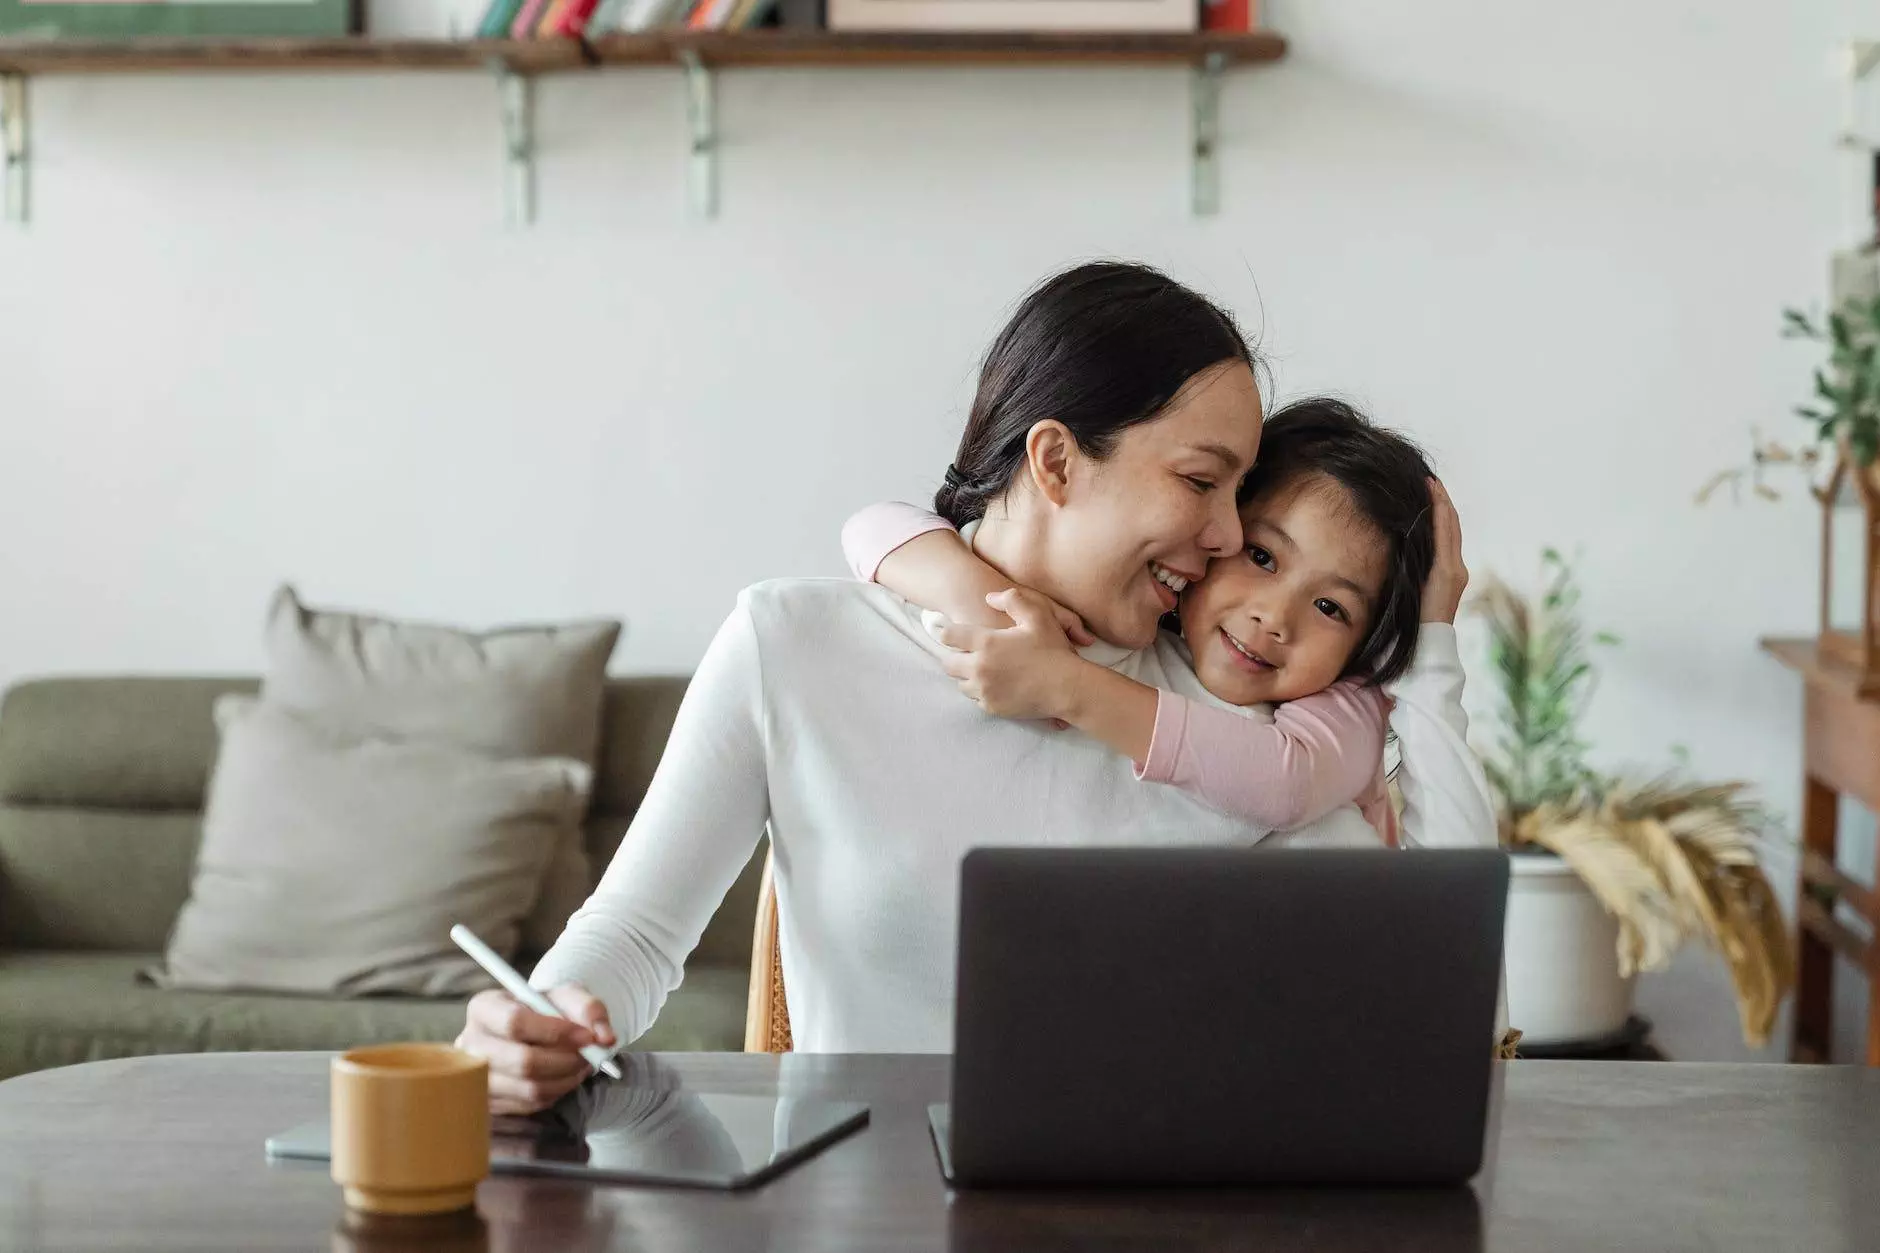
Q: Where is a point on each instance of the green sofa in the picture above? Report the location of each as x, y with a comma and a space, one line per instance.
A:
101, 792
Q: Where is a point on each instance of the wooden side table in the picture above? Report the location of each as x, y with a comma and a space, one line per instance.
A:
1840, 757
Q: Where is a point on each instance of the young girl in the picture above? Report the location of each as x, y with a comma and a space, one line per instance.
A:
1343, 526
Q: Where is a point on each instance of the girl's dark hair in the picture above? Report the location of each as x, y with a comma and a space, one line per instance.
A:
1387, 478
1099, 348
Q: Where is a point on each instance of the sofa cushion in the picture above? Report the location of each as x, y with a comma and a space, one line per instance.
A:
532, 691
149, 743
527, 691
145, 746
333, 863
110, 743
53, 859
60, 1008
636, 720
93, 878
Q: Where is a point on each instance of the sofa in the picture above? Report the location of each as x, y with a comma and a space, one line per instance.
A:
101, 793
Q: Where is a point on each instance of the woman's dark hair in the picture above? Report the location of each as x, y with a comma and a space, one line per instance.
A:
1387, 478
1099, 348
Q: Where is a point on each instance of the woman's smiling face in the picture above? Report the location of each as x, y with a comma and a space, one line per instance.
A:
1281, 619
1137, 526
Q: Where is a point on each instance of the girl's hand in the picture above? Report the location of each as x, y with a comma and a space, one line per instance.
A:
1449, 578
1027, 670
1072, 625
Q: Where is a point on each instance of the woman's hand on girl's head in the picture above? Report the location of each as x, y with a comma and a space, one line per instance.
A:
1449, 578
1026, 670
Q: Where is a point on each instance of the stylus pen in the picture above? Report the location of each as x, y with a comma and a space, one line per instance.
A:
516, 986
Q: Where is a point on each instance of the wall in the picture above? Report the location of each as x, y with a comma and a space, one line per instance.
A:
273, 328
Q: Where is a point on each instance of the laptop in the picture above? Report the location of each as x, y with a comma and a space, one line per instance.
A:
1219, 1016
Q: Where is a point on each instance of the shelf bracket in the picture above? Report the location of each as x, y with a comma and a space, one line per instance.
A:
1204, 181
701, 111
14, 128
1860, 58
518, 100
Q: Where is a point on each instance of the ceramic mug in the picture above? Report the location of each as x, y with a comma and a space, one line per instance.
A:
462, 1231
411, 1127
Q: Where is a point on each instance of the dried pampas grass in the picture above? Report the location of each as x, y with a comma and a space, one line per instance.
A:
1671, 862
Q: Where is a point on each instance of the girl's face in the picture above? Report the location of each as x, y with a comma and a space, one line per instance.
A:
1282, 618
1154, 511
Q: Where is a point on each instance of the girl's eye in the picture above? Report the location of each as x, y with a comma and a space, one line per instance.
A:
1331, 609
1204, 486
1259, 556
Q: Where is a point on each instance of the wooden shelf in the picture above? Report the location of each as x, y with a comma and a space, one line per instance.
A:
136, 56
823, 49
699, 54
1828, 667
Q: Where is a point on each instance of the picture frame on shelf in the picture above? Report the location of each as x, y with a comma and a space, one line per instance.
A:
131, 19
1112, 16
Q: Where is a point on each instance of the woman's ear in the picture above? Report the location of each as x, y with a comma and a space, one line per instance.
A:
1051, 456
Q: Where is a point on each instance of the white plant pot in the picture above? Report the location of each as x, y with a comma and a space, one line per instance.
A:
1562, 953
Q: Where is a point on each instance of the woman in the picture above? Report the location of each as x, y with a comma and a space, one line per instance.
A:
1130, 409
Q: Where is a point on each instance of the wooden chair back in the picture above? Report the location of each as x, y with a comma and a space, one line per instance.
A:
767, 1013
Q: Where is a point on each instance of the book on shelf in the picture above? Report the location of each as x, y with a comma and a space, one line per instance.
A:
1015, 15
710, 14
528, 17
498, 18
638, 15
1235, 17
606, 16
800, 14
536, 19
632, 15
702, 15
564, 19
568, 19
751, 13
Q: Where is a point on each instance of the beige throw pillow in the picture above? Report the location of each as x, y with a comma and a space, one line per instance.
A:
336, 864
533, 691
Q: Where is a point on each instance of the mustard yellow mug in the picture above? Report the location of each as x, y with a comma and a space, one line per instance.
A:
411, 1127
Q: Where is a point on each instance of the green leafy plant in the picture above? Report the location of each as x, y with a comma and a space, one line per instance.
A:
1542, 659
1669, 859
1845, 406
1846, 403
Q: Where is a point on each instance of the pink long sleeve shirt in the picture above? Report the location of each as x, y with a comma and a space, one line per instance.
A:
1321, 751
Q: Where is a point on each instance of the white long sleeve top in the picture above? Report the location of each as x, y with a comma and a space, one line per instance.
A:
820, 711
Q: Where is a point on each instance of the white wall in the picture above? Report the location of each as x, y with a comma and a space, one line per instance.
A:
273, 328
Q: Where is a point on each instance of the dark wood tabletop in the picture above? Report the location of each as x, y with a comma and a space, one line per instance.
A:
166, 1153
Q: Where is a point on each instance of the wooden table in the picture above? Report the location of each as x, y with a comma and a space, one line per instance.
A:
1840, 757
166, 1153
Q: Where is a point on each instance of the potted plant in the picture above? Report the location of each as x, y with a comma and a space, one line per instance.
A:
1610, 875
1842, 464
1844, 409
1846, 406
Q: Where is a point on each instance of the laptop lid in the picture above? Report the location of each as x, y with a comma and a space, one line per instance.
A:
1224, 1016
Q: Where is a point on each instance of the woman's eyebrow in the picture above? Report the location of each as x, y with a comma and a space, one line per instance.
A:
1220, 452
